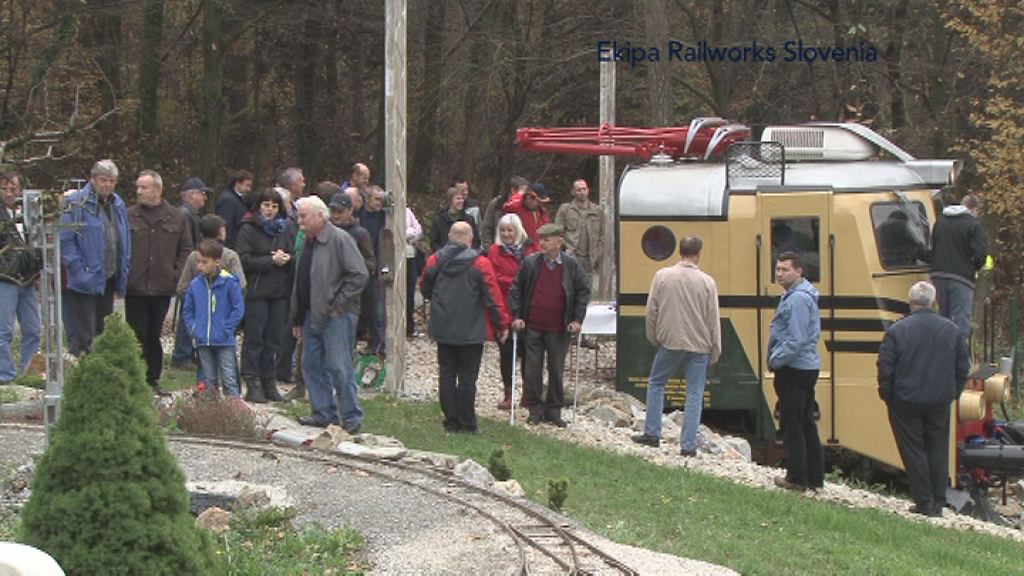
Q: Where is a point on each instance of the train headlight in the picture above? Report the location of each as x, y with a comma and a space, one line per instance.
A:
997, 388
658, 243
972, 405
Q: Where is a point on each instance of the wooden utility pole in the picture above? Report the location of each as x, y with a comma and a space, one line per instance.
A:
606, 289
394, 162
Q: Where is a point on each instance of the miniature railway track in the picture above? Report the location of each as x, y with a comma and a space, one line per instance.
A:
543, 546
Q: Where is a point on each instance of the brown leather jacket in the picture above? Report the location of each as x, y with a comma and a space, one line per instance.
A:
159, 250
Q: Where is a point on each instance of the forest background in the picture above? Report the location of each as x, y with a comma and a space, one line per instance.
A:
204, 87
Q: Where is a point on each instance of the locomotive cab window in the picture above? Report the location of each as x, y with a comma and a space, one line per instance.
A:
803, 236
902, 238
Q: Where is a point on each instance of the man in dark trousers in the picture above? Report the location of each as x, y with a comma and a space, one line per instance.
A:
793, 355
959, 248
160, 244
548, 301
466, 309
922, 367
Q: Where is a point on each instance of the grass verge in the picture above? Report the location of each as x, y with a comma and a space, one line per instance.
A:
753, 531
266, 543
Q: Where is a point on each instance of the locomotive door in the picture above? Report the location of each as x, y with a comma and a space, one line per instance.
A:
794, 221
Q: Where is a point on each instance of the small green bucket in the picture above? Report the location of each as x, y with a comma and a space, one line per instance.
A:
370, 371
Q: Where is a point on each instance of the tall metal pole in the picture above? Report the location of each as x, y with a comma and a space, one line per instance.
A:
394, 162
606, 289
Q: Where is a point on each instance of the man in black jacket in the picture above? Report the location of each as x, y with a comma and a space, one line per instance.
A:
233, 202
922, 368
466, 305
548, 301
958, 252
19, 274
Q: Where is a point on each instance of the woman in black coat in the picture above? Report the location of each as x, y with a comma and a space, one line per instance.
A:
265, 244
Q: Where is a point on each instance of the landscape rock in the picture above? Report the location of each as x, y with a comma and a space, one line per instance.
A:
436, 459
364, 451
609, 415
470, 471
214, 519
331, 437
510, 488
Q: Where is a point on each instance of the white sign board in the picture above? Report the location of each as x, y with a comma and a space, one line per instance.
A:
600, 319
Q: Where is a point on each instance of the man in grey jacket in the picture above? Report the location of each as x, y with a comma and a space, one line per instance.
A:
683, 324
324, 310
793, 355
922, 367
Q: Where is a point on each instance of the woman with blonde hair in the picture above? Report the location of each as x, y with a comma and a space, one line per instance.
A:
511, 245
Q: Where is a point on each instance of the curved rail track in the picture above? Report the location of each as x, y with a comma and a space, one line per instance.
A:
544, 546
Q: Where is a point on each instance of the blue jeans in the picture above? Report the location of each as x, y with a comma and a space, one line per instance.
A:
327, 369
665, 364
19, 303
219, 363
956, 302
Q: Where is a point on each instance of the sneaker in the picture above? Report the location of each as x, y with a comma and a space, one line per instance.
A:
687, 453
646, 440
352, 429
929, 511
558, 422
785, 484
533, 420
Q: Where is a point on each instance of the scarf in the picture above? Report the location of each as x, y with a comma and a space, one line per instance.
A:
272, 227
514, 249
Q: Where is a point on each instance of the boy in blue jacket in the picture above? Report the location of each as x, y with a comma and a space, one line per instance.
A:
214, 305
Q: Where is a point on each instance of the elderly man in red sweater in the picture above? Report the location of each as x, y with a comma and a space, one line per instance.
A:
548, 300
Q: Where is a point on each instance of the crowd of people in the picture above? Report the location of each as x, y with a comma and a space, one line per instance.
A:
300, 275
297, 272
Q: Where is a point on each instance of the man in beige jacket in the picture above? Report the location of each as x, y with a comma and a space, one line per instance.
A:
683, 324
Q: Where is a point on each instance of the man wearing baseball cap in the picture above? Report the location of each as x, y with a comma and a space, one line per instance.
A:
531, 207
548, 301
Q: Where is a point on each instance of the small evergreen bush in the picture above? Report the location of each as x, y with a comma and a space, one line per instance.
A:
558, 491
497, 466
108, 496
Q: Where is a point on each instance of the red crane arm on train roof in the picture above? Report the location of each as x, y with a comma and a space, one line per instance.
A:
703, 138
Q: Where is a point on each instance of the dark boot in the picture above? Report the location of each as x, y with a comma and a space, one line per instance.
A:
254, 391
270, 391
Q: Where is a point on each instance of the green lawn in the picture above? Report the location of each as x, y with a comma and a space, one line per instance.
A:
753, 531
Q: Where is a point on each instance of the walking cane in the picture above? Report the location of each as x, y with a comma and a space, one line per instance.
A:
576, 387
512, 408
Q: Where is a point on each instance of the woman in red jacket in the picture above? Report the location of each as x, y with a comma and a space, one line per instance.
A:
511, 245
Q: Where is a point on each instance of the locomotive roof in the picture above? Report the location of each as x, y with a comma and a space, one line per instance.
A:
699, 189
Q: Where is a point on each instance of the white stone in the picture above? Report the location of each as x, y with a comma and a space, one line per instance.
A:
473, 472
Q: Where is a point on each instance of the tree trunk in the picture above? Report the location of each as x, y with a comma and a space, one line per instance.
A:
658, 78
305, 90
894, 62
149, 79
426, 133
213, 82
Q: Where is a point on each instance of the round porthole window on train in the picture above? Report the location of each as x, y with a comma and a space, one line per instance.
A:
659, 243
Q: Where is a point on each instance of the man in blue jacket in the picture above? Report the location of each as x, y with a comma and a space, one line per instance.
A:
213, 308
793, 355
922, 367
95, 248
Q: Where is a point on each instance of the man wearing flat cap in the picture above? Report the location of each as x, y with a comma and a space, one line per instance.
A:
531, 207
548, 301
193, 199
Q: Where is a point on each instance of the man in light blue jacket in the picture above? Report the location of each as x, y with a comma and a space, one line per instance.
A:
95, 249
793, 355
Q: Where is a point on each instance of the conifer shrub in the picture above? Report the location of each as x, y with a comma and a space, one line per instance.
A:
497, 466
108, 496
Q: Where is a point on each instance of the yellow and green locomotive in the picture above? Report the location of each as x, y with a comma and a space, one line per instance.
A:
858, 208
